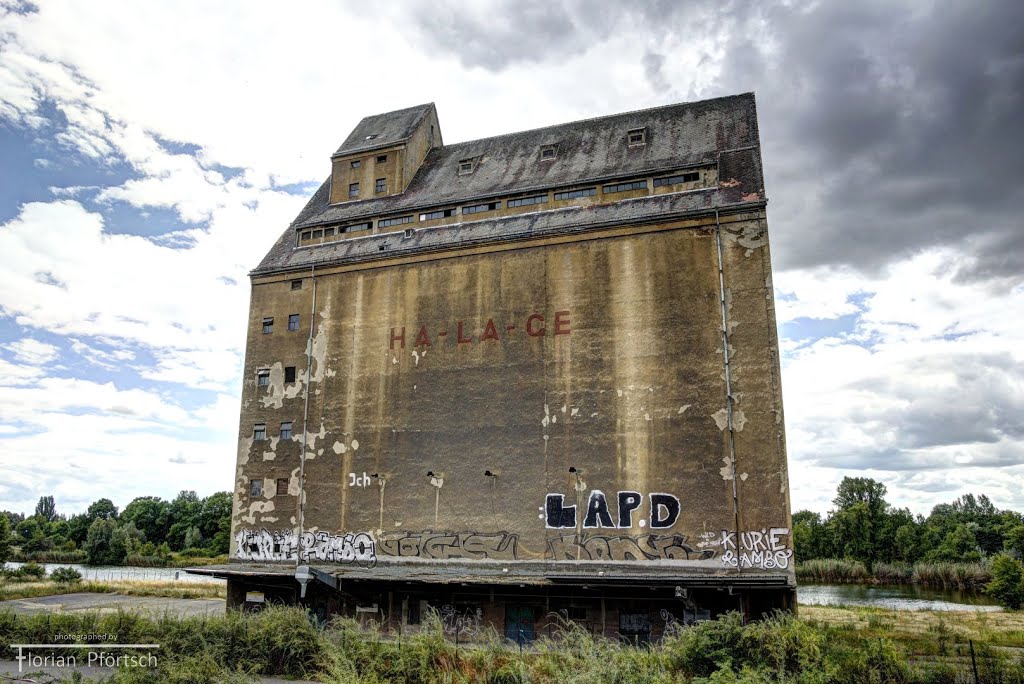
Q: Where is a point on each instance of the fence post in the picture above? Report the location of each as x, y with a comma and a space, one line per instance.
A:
974, 662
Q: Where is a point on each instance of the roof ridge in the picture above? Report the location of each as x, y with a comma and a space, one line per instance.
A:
602, 117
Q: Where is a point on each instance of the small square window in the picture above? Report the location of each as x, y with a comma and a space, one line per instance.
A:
381, 185
466, 166
328, 232
255, 487
296, 284
382, 158
318, 234
548, 152
353, 190
637, 136
282, 486
262, 378
268, 325
289, 373
286, 430
356, 164
293, 321
259, 432
305, 235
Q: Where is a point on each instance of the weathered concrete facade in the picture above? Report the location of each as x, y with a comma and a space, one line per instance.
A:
571, 404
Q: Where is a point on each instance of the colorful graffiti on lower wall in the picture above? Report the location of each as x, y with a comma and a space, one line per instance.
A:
438, 545
624, 548
266, 546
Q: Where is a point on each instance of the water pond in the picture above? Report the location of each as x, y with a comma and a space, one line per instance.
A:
104, 573
894, 597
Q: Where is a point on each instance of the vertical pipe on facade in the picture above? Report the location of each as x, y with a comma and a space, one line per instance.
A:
305, 420
728, 384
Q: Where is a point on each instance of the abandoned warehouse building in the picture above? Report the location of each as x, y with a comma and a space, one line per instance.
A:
517, 377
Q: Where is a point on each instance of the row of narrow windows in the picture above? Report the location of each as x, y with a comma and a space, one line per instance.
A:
293, 320
259, 431
576, 193
263, 376
256, 487
379, 186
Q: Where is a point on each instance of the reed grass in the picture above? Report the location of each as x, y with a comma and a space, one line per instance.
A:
965, 576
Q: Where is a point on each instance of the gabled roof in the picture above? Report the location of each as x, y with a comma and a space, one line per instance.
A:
386, 129
593, 150
721, 132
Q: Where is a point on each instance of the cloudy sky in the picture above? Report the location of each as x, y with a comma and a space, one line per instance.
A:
150, 153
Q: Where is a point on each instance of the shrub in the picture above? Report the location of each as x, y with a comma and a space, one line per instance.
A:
32, 570
1007, 585
65, 575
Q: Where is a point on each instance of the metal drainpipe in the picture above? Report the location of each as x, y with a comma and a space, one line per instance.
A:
305, 420
728, 385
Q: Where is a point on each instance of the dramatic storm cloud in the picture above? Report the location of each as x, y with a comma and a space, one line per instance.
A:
153, 153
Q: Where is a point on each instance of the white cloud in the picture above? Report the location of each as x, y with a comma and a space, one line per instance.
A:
32, 352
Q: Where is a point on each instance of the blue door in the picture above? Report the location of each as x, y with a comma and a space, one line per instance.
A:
519, 624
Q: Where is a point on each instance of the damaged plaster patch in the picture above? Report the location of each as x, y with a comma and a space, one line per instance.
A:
575, 412
256, 508
547, 417
743, 477
339, 448
682, 409
721, 417
726, 470
751, 236
244, 446
738, 420
277, 391
293, 486
269, 455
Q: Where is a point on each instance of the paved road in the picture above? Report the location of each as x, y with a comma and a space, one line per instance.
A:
104, 603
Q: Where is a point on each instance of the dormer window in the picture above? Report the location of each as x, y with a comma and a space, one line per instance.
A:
466, 166
637, 136
548, 152
370, 137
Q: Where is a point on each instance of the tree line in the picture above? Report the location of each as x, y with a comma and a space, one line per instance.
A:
149, 531
864, 527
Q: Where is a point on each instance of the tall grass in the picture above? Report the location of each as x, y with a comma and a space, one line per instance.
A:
973, 576
832, 571
967, 576
284, 642
168, 589
50, 557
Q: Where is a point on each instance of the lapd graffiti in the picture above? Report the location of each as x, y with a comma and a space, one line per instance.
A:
764, 550
606, 548
440, 545
266, 546
664, 511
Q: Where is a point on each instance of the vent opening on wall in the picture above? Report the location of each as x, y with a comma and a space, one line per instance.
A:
637, 136
548, 152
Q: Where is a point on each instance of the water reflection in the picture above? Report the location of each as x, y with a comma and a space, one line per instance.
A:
894, 597
106, 573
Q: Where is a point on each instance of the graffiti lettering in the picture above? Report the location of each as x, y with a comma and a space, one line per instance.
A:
440, 545
356, 480
462, 622
534, 327
265, 546
763, 549
664, 513
643, 547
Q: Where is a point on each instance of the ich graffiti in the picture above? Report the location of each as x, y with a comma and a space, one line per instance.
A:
764, 550
663, 511
283, 545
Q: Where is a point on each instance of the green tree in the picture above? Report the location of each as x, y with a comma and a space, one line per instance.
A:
151, 515
959, 545
5, 539
46, 509
124, 540
31, 536
215, 521
860, 517
193, 538
1007, 585
97, 544
104, 509
185, 512
810, 537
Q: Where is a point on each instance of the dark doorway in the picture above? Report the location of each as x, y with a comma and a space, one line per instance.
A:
519, 624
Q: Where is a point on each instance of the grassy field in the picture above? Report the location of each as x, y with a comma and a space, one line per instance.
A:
825, 644
167, 589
